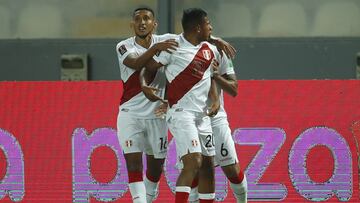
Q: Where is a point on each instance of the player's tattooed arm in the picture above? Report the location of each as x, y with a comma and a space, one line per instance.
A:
137, 62
223, 46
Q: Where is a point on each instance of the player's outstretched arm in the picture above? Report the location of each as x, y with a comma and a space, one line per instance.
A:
223, 47
138, 62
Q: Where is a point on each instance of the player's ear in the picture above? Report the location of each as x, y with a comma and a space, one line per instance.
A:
155, 27
132, 24
198, 28
155, 24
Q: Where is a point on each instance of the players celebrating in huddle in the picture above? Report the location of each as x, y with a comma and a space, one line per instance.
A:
194, 73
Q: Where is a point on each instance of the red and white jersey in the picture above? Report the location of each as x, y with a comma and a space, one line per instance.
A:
225, 67
188, 71
133, 101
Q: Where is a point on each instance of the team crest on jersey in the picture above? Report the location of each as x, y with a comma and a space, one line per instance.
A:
128, 143
122, 49
206, 54
194, 143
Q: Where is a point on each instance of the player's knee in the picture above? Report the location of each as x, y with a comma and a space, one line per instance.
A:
197, 162
232, 170
192, 161
134, 166
134, 162
207, 162
154, 172
155, 166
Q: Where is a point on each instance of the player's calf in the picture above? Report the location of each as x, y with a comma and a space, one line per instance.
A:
237, 180
207, 180
152, 178
192, 163
135, 175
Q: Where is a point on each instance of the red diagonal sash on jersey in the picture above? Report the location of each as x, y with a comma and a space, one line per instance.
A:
191, 75
132, 87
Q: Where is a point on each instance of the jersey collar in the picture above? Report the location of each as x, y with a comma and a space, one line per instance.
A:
185, 42
141, 47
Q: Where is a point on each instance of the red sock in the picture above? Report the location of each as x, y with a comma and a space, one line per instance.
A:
237, 180
135, 177
181, 197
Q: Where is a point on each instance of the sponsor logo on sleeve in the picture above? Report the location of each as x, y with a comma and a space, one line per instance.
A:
122, 49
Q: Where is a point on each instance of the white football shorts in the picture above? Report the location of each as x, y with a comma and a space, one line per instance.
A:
142, 135
192, 132
224, 145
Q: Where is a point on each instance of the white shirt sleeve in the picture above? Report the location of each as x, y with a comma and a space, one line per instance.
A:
167, 36
163, 58
123, 50
226, 66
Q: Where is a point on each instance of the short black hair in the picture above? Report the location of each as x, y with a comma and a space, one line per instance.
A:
145, 8
192, 17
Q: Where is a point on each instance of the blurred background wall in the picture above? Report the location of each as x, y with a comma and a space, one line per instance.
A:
275, 39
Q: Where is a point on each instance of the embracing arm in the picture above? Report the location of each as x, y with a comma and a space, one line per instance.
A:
223, 46
151, 68
138, 62
226, 79
152, 65
228, 83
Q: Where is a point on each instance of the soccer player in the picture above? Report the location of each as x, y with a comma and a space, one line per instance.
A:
188, 72
139, 130
226, 156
